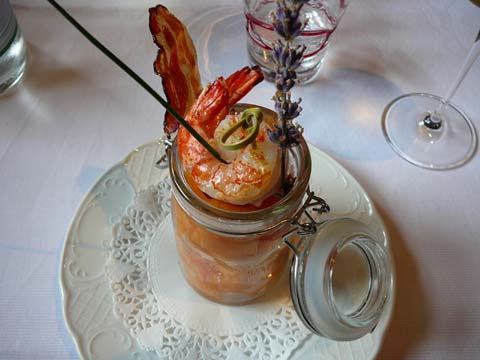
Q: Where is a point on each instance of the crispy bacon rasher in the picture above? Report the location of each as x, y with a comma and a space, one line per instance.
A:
176, 63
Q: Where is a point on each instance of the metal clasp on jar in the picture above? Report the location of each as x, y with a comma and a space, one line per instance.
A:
312, 208
162, 163
304, 224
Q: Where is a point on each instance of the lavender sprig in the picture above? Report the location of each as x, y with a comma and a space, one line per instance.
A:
288, 109
287, 58
286, 18
292, 138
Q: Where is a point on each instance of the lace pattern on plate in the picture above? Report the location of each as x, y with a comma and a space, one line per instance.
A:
155, 329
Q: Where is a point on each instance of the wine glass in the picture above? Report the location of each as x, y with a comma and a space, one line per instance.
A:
429, 131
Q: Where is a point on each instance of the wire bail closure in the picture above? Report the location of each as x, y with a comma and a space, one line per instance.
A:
162, 163
312, 204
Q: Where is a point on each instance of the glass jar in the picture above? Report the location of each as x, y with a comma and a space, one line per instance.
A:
234, 257
340, 277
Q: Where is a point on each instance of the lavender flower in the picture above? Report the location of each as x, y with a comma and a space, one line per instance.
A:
287, 109
286, 19
287, 60
288, 25
291, 137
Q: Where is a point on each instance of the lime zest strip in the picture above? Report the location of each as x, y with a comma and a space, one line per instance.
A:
249, 120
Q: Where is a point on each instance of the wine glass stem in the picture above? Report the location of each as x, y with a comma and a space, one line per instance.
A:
467, 65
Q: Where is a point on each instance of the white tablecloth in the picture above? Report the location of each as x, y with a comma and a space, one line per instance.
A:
76, 115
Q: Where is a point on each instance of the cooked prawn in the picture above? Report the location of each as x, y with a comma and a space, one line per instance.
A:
252, 172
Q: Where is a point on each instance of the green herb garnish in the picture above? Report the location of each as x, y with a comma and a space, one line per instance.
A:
249, 120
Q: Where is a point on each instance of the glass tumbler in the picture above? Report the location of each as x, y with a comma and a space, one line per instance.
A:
13, 50
322, 18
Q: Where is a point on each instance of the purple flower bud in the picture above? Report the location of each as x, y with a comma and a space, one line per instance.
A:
286, 19
285, 56
287, 109
290, 139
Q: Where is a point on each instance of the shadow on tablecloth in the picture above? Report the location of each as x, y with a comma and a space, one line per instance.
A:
410, 319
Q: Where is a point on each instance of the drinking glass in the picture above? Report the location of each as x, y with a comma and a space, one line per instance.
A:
13, 52
428, 130
322, 18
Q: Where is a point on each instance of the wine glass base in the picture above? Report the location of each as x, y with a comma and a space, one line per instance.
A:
448, 147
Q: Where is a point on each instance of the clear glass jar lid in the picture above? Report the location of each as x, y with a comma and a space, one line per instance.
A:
340, 279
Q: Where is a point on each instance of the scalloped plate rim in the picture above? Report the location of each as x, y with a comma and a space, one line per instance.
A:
64, 289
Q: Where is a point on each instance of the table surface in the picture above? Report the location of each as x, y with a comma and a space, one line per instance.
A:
76, 115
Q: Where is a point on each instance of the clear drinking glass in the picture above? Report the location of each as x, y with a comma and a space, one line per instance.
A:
322, 18
13, 51
429, 131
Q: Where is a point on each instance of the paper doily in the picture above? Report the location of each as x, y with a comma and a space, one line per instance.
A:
168, 317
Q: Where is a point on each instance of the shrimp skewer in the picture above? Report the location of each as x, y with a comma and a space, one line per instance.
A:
253, 171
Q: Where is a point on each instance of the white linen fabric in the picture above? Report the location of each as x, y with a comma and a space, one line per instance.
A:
76, 114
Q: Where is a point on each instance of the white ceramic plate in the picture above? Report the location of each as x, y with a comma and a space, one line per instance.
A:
87, 297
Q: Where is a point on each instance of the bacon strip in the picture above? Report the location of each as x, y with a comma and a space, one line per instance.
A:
176, 63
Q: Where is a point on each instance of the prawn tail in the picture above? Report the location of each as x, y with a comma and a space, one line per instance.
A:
210, 108
241, 82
